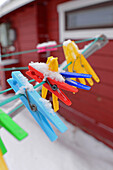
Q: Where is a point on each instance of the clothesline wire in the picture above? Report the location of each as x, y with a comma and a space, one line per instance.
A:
25, 68
36, 50
6, 90
18, 95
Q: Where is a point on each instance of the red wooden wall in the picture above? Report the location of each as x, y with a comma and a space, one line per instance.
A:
29, 23
90, 110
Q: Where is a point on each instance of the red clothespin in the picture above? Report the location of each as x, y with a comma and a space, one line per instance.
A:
52, 85
47, 46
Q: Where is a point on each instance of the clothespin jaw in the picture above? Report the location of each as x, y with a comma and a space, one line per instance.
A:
2, 147
11, 126
52, 64
48, 46
79, 63
41, 112
3, 165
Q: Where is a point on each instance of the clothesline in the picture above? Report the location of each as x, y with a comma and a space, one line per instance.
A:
36, 50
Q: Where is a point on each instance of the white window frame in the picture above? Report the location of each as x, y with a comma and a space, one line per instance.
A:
79, 34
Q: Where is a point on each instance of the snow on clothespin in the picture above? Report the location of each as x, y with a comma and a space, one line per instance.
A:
3, 165
78, 62
54, 80
39, 108
47, 46
11, 126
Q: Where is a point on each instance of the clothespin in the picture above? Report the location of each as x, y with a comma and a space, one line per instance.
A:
52, 66
100, 41
69, 75
3, 165
2, 147
38, 107
47, 46
3, 150
78, 62
54, 81
11, 126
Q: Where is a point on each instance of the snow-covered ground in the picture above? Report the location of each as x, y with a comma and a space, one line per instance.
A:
74, 150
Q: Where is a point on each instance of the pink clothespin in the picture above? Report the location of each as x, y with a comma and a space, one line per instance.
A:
46, 46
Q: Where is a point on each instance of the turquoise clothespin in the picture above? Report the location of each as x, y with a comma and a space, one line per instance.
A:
34, 103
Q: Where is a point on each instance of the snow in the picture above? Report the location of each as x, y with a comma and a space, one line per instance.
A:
45, 44
43, 68
65, 43
74, 149
47, 104
3, 2
26, 85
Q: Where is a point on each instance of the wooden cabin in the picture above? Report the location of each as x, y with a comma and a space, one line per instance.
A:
40, 21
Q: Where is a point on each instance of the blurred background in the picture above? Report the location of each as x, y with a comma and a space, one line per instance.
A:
26, 23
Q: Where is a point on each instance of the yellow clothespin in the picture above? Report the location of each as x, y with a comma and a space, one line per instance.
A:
79, 63
52, 66
3, 165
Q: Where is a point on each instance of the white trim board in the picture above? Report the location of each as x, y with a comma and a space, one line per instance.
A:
79, 34
12, 5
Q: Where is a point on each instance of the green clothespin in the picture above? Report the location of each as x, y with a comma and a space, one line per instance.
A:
11, 126
2, 147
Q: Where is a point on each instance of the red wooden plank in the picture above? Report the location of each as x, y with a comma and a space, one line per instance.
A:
107, 49
105, 76
102, 133
96, 100
93, 112
103, 90
101, 62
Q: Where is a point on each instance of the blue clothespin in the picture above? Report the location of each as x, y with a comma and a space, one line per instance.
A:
69, 75
34, 103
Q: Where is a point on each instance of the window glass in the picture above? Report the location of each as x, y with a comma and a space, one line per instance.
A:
98, 17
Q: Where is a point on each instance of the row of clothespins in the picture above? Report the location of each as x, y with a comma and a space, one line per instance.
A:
55, 79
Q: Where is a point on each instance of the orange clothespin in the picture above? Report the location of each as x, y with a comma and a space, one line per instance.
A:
78, 62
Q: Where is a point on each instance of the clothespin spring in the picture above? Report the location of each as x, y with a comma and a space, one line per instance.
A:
32, 106
54, 87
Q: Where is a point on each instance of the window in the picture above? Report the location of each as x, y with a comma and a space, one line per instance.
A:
79, 19
4, 34
7, 35
89, 18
